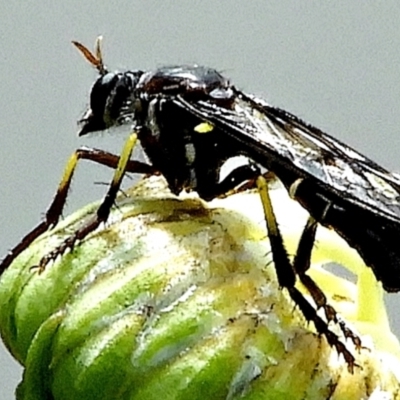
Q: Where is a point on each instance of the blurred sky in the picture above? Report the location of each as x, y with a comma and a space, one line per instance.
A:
334, 64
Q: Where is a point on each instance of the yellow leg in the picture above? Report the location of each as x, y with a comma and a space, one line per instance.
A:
287, 272
102, 212
121, 164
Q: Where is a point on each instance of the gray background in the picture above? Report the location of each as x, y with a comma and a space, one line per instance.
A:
335, 64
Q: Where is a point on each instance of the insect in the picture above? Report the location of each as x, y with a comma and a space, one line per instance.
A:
190, 120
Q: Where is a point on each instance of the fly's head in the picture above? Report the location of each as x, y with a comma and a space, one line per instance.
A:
112, 98
162, 106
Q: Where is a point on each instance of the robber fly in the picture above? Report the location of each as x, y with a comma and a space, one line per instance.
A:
190, 120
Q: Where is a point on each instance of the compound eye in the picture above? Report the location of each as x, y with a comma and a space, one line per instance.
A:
100, 92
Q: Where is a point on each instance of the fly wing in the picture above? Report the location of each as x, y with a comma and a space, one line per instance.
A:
340, 188
274, 134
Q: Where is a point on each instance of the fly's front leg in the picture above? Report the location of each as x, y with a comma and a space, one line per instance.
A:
102, 212
287, 272
56, 207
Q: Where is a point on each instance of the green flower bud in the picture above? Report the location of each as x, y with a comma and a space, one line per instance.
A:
175, 298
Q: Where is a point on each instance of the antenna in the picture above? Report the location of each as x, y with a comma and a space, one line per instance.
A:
95, 59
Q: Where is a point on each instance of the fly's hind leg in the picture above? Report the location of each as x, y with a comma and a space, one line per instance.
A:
301, 264
53, 213
287, 273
